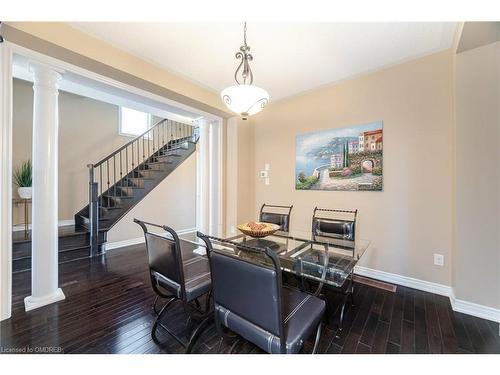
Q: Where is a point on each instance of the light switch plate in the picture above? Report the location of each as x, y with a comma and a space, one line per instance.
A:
439, 259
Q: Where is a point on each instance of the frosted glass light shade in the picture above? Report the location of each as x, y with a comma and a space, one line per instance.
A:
245, 100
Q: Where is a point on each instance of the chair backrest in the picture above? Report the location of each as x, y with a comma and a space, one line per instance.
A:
334, 223
249, 289
275, 214
164, 254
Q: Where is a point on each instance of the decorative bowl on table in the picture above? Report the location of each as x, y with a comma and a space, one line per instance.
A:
258, 229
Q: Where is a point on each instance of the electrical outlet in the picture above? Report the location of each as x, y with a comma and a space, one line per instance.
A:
439, 259
233, 229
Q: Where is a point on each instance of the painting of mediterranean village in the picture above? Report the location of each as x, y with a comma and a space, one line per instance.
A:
340, 159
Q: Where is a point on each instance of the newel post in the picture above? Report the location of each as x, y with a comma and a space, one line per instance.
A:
93, 213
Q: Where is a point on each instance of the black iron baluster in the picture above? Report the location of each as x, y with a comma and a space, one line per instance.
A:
121, 173
107, 167
149, 143
171, 134
114, 175
100, 183
132, 155
153, 138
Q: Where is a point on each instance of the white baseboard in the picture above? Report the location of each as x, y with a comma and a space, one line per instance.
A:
474, 309
61, 223
410, 282
138, 240
465, 307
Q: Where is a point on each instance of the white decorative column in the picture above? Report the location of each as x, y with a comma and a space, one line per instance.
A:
44, 243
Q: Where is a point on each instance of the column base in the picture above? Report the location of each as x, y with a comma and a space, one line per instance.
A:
31, 303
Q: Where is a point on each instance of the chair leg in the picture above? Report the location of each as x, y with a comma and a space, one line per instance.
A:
318, 336
197, 303
342, 313
154, 305
207, 302
157, 320
197, 332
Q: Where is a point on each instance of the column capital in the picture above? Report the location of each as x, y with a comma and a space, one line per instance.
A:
45, 75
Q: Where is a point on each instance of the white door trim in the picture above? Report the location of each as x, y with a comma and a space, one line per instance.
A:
210, 176
6, 178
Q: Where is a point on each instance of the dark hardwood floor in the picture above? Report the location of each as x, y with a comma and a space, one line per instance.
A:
108, 310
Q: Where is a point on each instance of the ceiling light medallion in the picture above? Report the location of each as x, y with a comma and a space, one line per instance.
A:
244, 98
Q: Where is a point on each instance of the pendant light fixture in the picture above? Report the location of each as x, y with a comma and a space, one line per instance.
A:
244, 98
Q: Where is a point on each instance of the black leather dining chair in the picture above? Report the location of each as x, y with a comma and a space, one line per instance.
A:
176, 279
250, 300
280, 215
329, 225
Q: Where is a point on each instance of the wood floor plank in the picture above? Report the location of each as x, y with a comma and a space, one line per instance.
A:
491, 343
392, 348
369, 329
380, 338
408, 337
397, 318
387, 307
449, 340
363, 349
464, 342
421, 336
432, 322
409, 305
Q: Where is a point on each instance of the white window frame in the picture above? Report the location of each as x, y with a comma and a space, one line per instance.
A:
129, 135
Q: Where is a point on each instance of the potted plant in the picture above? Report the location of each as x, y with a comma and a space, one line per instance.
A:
22, 178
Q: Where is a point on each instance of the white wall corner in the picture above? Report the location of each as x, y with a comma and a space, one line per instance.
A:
474, 309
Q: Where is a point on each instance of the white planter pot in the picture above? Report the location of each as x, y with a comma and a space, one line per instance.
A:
24, 192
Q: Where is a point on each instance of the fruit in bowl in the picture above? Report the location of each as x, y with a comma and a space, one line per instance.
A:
258, 229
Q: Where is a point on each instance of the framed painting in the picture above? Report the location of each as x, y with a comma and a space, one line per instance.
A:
340, 159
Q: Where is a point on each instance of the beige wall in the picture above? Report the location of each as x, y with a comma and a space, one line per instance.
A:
88, 131
171, 203
477, 252
240, 184
412, 218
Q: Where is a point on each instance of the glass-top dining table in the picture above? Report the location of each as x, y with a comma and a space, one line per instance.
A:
328, 261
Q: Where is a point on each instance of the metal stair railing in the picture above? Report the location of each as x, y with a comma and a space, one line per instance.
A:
105, 175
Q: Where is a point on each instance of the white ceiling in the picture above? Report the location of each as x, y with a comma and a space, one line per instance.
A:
289, 58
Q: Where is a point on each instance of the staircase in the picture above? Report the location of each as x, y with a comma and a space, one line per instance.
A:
116, 184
